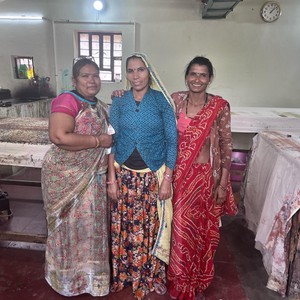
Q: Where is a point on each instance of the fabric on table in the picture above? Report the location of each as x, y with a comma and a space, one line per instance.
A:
272, 199
24, 130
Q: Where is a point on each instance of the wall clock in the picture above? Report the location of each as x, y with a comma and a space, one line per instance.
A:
270, 11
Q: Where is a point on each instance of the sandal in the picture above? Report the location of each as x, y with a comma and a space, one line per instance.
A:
159, 288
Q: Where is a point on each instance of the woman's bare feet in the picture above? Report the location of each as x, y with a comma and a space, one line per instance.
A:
159, 288
200, 296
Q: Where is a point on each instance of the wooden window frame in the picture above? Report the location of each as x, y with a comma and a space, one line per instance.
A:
101, 51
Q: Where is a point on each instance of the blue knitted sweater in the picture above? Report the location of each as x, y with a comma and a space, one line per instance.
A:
150, 127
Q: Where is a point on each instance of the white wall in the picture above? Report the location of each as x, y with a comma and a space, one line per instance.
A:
31, 38
64, 39
256, 63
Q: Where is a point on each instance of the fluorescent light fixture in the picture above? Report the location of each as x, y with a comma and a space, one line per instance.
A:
98, 5
21, 17
218, 9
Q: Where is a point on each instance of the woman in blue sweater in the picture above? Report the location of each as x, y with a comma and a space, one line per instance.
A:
140, 181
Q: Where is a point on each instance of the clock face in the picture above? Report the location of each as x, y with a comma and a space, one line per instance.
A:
270, 11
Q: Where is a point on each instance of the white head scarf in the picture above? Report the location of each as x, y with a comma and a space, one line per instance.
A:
156, 81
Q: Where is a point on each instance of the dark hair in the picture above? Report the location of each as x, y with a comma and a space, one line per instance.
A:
129, 58
80, 63
201, 61
133, 57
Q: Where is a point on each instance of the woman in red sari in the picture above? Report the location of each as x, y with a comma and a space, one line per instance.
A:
202, 191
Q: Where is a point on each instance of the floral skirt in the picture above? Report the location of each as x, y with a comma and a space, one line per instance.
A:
134, 228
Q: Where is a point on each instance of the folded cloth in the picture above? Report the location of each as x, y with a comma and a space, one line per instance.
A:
162, 245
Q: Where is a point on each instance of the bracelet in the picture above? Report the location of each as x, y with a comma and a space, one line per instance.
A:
223, 188
111, 182
97, 142
168, 177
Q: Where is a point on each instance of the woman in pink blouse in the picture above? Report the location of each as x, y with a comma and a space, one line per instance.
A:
74, 188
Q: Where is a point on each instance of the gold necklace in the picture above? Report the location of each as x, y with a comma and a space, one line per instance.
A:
138, 98
187, 103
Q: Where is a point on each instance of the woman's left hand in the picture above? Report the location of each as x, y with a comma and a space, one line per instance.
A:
220, 195
165, 190
113, 190
105, 140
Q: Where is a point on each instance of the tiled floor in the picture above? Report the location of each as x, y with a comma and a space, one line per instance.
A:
239, 275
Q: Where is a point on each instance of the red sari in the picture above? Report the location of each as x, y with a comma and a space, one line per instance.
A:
195, 228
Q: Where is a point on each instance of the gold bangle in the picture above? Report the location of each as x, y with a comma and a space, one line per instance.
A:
97, 142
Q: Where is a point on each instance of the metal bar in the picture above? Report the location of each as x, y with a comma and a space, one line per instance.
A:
20, 182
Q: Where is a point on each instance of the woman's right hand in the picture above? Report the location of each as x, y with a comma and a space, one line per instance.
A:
113, 190
117, 93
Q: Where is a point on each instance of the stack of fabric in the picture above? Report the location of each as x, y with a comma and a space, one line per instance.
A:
24, 130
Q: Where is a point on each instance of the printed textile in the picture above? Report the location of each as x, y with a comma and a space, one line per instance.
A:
74, 192
135, 225
280, 247
162, 245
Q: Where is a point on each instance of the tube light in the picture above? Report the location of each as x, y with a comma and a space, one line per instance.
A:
21, 17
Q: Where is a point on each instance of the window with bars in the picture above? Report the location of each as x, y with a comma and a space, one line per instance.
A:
106, 49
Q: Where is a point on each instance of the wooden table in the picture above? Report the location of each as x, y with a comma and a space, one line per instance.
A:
23, 143
256, 119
